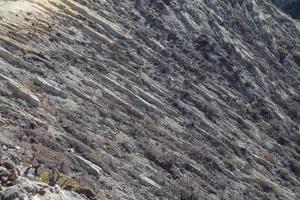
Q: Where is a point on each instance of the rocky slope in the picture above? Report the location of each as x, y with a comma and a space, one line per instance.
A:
153, 99
20, 182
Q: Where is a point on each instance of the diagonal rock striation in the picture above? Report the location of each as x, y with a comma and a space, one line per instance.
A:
153, 99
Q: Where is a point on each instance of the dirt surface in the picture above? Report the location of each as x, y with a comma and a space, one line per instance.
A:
153, 99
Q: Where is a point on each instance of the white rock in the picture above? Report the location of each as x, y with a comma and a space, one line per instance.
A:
21, 92
147, 181
49, 88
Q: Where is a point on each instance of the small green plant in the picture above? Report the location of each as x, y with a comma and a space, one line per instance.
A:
63, 180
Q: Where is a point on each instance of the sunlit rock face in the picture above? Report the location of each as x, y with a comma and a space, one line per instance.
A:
152, 99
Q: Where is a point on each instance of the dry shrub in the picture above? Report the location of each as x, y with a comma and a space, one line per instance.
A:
8, 173
211, 111
282, 53
266, 189
204, 156
189, 193
77, 145
50, 157
184, 189
295, 167
284, 174
160, 156
296, 56
38, 137
4, 121
270, 158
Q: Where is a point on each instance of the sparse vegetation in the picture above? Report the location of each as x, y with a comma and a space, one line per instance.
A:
160, 156
295, 167
296, 55
156, 99
189, 193
211, 111
53, 177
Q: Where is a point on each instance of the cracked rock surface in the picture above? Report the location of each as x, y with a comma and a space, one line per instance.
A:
154, 99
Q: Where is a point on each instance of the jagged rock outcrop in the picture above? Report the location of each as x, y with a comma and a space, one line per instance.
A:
153, 99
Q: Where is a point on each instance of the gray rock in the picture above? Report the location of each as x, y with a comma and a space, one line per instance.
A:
190, 91
148, 182
21, 92
13, 193
49, 88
